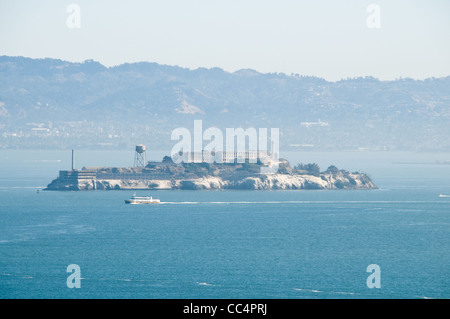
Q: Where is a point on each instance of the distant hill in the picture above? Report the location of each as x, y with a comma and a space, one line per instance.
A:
50, 103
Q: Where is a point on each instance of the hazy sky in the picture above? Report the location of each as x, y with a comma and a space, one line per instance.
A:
325, 38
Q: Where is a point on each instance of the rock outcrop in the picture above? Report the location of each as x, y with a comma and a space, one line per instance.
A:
257, 182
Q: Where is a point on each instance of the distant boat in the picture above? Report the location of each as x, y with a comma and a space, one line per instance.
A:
442, 195
142, 200
319, 123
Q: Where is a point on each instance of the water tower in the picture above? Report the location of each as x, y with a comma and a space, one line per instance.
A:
139, 157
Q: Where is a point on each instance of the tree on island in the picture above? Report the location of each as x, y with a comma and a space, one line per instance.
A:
311, 168
167, 159
332, 169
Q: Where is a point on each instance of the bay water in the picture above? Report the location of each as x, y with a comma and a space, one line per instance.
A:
227, 244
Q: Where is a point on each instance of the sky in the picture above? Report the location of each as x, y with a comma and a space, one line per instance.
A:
326, 38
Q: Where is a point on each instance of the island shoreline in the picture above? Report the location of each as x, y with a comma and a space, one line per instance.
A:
167, 175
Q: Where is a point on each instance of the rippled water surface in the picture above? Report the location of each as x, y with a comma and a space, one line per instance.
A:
227, 244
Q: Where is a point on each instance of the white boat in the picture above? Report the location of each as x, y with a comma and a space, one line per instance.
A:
142, 200
442, 195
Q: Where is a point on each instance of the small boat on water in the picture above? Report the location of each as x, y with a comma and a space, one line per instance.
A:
442, 195
142, 200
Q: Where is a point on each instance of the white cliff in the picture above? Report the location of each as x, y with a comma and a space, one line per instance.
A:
259, 182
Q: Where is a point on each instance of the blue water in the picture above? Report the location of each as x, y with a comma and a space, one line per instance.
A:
227, 244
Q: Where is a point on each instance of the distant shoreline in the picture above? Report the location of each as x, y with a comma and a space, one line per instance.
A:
422, 163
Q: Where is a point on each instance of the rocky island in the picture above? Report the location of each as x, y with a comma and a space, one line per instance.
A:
167, 175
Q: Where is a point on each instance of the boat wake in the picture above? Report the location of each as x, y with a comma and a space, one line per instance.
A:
204, 284
306, 202
328, 292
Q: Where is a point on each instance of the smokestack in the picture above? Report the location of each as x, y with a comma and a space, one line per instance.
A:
72, 160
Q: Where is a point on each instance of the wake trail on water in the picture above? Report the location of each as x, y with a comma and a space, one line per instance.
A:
327, 292
301, 202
